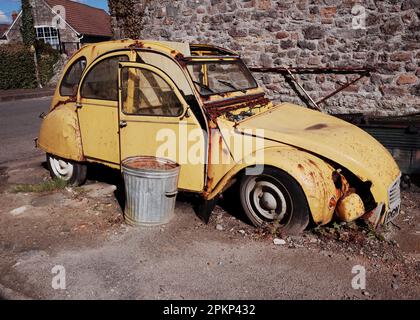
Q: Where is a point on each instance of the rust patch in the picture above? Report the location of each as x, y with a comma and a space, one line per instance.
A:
179, 57
221, 147
234, 100
204, 98
216, 109
317, 126
300, 167
149, 164
78, 135
136, 45
313, 164
332, 203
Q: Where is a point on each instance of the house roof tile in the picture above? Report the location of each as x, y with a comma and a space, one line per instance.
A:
85, 19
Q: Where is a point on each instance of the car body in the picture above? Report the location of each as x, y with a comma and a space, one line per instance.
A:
118, 99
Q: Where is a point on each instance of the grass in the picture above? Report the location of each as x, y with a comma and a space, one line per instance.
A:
336, 230
49, 185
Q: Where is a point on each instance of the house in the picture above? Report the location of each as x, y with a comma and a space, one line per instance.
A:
3, 28
66, 25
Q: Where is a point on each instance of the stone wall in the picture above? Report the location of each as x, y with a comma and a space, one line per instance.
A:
306, 33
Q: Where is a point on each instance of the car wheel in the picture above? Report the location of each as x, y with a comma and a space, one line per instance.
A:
274, 195
72, 172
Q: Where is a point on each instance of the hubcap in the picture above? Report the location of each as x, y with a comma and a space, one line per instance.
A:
268, 202
61, 168
267, 199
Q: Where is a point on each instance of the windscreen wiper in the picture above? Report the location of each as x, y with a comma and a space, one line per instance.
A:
227, 83
230, 85
203, 86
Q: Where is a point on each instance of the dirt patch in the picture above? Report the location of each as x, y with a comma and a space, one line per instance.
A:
41, 224
83, 230
3, 178
406, 228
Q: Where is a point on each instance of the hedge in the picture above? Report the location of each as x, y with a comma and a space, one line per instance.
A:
17, 67
47, 58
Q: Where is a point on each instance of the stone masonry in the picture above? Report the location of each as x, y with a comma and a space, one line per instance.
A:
43, 16
306, 33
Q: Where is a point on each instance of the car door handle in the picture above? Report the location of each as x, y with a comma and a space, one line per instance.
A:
123, 124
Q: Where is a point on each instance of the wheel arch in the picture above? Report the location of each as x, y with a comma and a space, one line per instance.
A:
312, 174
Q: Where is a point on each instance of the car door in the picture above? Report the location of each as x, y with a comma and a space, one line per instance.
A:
97, 109
155, 120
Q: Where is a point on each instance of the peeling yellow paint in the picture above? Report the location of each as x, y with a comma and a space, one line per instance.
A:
308, 145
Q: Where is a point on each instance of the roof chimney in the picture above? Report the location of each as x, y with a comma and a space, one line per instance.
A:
14, 15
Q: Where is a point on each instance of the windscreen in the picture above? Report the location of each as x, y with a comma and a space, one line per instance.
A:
217, 77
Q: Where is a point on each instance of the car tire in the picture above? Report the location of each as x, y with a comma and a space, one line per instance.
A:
274, 193
72, 172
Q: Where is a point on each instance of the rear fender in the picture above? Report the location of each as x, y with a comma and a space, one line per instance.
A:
60, 133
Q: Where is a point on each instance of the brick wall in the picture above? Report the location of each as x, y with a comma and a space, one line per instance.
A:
306, 33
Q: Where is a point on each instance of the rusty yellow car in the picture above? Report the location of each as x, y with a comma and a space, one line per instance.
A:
200, 106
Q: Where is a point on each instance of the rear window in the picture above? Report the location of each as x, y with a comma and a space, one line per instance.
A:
71, 79
102, 80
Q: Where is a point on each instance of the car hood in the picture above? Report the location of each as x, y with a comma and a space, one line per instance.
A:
328, 137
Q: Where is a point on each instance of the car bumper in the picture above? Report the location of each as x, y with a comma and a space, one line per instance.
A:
382, 214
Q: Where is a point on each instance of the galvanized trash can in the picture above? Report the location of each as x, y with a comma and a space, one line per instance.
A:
151, 188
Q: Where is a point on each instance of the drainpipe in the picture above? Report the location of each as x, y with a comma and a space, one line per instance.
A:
60, 45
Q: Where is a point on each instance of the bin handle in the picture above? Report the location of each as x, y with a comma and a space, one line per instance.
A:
171, 194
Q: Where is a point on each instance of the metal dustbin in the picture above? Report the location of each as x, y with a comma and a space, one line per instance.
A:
151, 188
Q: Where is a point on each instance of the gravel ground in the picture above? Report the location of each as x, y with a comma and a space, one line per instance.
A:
82, 229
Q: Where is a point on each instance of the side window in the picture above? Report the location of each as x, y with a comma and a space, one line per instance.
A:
146, 93
71, 79
102, 80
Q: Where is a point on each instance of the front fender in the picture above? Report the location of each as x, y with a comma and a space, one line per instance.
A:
60, 133
312, 174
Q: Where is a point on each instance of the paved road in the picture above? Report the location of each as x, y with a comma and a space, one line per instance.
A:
19, 125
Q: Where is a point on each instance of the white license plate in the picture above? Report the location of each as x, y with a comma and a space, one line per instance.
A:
392, 214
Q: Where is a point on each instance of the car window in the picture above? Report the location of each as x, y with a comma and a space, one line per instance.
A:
216, 77
102, 80
71, 79
146, 93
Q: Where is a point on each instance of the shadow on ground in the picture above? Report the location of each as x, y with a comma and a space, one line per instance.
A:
105, 174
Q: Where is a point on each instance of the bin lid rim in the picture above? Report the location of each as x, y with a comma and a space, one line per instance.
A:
150, 163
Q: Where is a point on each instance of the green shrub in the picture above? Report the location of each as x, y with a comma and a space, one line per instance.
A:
27, 29
47, 58
17, 67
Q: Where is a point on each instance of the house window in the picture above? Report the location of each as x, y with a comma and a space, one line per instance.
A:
48, 35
